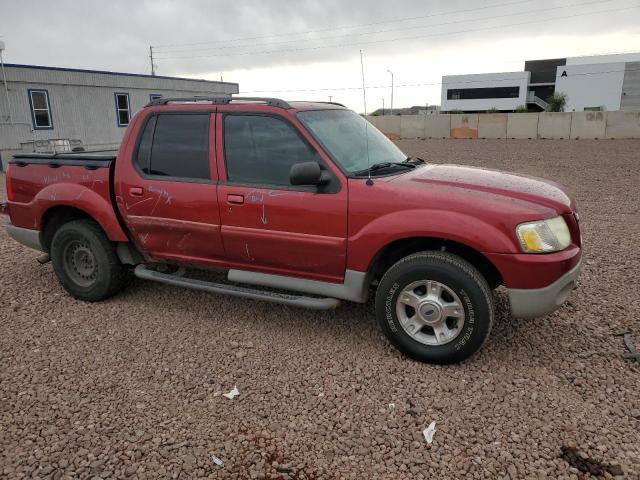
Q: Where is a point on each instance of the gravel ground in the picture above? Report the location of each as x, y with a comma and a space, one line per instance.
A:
132, 386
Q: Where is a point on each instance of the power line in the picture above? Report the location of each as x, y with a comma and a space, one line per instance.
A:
378, 32
417, 37
342, 27
429, 84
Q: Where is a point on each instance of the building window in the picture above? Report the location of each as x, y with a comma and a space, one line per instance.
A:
478, 93
123, 110
154, 96
40, 110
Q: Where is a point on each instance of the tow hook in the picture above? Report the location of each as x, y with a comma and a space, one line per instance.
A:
44, 258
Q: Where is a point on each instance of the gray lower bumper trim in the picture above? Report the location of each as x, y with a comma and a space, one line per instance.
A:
354, 288
26, 236
531, 303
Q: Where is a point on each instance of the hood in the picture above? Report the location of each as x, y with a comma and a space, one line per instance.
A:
522, 187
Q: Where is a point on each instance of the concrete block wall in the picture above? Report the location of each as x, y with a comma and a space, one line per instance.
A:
554, 125
522, 125
560, 125
464, 126
437, 126
623, 125
412, 126
492, 125
588, 125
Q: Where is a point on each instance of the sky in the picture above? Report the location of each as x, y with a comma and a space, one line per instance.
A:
310, 49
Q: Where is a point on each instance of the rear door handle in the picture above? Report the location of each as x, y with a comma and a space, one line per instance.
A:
136, 191
233, 198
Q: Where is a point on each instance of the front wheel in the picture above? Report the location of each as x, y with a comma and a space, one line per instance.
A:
435, 307
86, 262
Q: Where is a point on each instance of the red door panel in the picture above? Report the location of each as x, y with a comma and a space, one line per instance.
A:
281, 229
171, 218
291, 232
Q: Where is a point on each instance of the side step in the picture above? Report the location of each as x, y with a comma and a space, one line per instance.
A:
141, 271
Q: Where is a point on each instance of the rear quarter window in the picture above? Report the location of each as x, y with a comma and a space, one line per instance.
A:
175, 145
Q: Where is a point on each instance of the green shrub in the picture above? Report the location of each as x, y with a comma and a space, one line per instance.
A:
557, 102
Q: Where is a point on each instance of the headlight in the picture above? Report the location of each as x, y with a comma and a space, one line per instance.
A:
544, 236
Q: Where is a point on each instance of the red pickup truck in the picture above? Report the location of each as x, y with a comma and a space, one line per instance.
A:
300, 197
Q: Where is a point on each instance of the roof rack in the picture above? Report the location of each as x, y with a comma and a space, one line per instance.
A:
331, 103
272, 102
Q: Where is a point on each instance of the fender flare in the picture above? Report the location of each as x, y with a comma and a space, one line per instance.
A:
470, 231
81, 198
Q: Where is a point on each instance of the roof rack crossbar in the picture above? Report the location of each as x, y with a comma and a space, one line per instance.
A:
272, 102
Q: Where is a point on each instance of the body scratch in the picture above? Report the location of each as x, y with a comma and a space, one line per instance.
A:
127, 206
251, 259
182, 240
263, 218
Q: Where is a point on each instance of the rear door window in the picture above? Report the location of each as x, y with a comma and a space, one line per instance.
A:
176, 146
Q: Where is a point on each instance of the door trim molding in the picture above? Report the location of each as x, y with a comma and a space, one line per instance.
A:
355, 287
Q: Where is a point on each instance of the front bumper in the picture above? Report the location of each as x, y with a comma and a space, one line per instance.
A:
537, 302
26, 236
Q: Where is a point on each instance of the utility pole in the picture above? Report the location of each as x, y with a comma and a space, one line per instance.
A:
6, 88
383, 106
364, 90
153, 67
330, 98
389, 71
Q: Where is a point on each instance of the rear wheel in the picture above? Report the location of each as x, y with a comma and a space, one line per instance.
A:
435, 307
86, 262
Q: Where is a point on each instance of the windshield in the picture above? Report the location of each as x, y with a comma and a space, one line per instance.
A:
342, 134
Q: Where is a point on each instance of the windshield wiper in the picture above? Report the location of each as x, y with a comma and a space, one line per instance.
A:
414, 160
383, 165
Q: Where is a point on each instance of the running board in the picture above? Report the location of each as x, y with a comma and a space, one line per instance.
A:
145, 273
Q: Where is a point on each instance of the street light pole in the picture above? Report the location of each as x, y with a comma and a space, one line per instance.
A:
153, 67
391, 90
6, 88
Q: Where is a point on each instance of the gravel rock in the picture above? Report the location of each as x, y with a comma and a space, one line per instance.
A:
132, 386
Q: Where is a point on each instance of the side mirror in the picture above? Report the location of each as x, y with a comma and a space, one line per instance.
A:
308, 173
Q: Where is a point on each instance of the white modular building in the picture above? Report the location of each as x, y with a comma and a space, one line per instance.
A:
606, 82
45, 108
487, 91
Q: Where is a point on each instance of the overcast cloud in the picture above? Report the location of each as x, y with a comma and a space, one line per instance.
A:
232, 39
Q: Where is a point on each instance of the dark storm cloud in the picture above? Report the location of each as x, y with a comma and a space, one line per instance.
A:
116, 34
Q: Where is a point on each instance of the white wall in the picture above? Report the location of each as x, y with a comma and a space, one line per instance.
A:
593, 85
613, 58
484, 80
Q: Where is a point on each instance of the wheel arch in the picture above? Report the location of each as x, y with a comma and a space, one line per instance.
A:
56, 216
394, 251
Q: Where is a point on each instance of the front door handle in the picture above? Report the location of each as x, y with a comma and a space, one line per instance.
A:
234, 198
136, 191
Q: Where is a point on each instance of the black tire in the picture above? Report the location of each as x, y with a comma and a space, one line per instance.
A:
461, 278
86, 262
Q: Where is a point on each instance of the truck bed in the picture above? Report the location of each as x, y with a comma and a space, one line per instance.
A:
38, 182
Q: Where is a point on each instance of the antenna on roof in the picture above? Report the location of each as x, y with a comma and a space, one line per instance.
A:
366, 122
